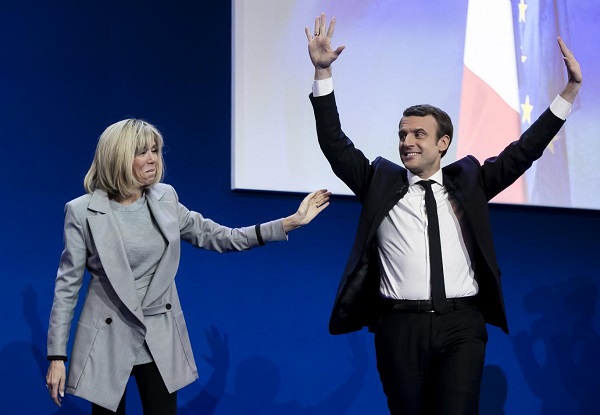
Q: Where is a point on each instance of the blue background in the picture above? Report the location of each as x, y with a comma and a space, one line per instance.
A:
260, 317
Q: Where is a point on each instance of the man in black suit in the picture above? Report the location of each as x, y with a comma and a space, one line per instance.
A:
423, 273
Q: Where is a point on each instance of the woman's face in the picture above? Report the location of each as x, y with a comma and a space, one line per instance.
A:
144, 164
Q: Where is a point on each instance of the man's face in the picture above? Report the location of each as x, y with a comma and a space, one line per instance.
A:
420, 150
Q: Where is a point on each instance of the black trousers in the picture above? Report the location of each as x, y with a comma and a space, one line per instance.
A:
156, 399
431, 363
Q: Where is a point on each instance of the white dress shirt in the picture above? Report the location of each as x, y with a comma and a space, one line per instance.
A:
403, 246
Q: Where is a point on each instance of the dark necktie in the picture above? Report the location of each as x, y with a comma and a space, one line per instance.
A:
438, 290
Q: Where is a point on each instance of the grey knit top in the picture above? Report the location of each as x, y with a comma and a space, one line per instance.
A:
144, 246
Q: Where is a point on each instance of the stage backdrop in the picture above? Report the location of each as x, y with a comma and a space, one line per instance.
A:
493, 65
258, 319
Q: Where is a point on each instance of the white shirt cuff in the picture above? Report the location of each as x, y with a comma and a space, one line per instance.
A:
560, 107
322, 87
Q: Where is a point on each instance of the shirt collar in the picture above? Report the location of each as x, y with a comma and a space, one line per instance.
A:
437, 177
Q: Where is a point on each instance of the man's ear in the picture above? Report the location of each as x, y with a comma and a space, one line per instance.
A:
443, 143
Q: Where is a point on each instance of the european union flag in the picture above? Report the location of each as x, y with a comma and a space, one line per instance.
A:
542, 76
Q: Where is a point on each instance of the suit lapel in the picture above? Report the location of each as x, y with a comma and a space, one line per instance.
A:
384, 199
109, 245
471, 216
165, 214
457, 193
453, 189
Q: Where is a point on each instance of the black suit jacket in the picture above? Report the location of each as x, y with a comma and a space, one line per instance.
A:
381, 183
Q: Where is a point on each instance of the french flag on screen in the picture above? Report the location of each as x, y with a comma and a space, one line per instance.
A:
508, 82
490, 108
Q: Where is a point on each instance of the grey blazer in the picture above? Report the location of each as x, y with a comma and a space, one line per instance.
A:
113, 323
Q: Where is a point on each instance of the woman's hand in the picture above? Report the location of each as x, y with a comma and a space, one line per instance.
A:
311, 206
55, 380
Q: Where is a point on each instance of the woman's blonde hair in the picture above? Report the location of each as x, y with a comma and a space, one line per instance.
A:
112, 168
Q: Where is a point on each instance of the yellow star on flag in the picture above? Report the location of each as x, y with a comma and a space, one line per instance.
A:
527, 108
522, 8
523, 55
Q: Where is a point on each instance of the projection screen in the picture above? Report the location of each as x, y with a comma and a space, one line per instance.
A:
493, 65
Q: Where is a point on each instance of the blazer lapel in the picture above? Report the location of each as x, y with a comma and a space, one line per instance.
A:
471, 217
456, 192
109, 245
453, 189
165, 214
384, 199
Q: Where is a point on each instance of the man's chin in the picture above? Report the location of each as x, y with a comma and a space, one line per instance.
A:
409, 163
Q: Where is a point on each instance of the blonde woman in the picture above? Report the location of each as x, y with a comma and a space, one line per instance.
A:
126, 231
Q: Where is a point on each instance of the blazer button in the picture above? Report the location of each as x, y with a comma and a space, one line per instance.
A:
168, 306
109, 320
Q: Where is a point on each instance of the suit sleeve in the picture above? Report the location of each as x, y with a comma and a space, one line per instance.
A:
67, 284
347, 162
503, 170
207, 234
